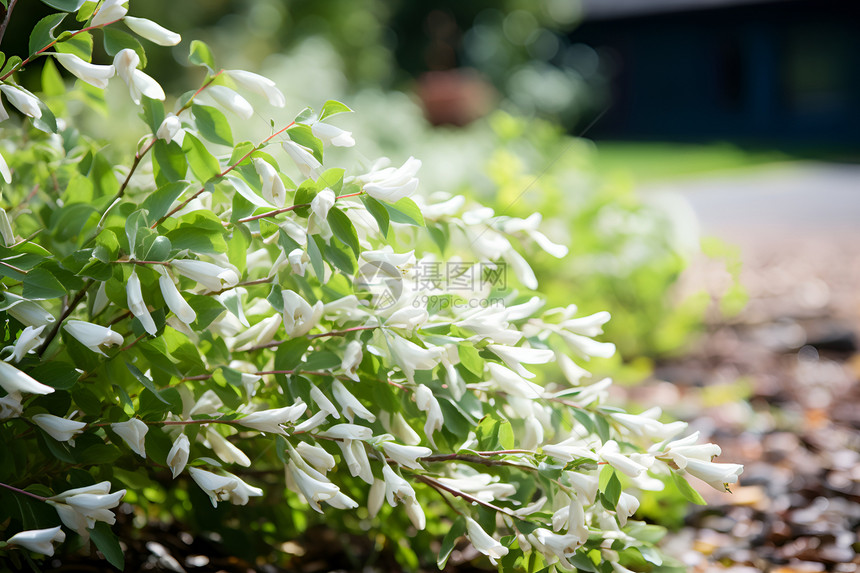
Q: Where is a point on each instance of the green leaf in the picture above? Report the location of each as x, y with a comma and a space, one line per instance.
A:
156, 248
487, 433
289, 354
39, 284
147, 383
303, 135
43, 32
331, 107
612, 493
458, 528
116, 40
341, 257
200, 55
159, 202
687, 490
52, 81
168, 163
471, 359
108, 544
405, 211
333, 179
153, 113
343, 229
315, 253
207, 309
80, 45
378, 211
212, 124
58, 375
65, 5
203, 164
46, 123
305, 116
303, 196
11, 64
135, 221
86, 10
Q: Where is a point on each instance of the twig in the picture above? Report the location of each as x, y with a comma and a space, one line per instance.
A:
7, 18
21, 491
66, 313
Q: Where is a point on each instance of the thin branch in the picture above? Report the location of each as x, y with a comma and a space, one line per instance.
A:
342, 332
471, 499
13, 267
15, 489
7, 18
273, 213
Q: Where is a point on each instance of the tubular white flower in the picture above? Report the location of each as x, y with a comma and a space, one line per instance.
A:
626, 507
110, 11
332, 135
169, 128
304, 159
516, 356
153, 32
483, 542
26, 103
512, 383
177, 457
397, 425
207, 404
426, 402
26, 312
299, 260
243, 491
126, 62
314, 490
10, 407
228, 99
272, 421
134, 433
217, 487
81, 508
4, 170
718, 476
299, 316
680, 451
39, 540
392, 184
212, 277
415, 513
348, 432
16, 382
411, 357
225, 450
556, 545
611, 454
92, 335
351, 359
261, 333
576, 520
356, 459
376, 497
312, 423
316, 456
647, 425
568, 450
585, 485
61, 429
258, 84
177, 305
397, 489
274, 190
321, 204
323, 403
27, 343
137, 306
92, 74
350, 404
406, 456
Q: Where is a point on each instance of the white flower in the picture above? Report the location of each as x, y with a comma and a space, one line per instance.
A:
177, 305
680, 451
585, 485
316, 456
484, 487
152, 31
350, 404
351, 359
207, 404
530, 226
110, 11
16, 382
397, 425
228, 99
4, 170
576, 520
134, 433
392, 184
515, 356
260, 333
61, 429
376, 497
217, 487
348, 432
38, 540
210, 276
512, 383
92, 74
426, 402
136, 304
299, 316
397, 489
226, 451
313, 489
311, 423
556, 545
26, 102
568, 450
323, 403
272, 421
626, 507
321, 204
92, 335
299, 259
415, 513
274, 190
304, 159
177, 457
126, 62
411, 357
332, 135
611, 454
484, 542
406, 456
243, 491
79, 509
258, 84
10, 406
26, 311
27, 343
647, 425
168, 128
718, 476
356, 460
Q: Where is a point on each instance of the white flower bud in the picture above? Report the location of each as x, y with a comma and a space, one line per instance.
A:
153, 32
406, 456
136, 304
26, 102
178, 305
177, 457
350, 404
126, 62
258, 84
392, 184
217, 487
39, 540
274, 190
304, 159
272, 421
168, 128
332, 135
4, 167
16, 382
92, 74
92, 335
484, 542
226, 451
210, 276
61, 429
110, 11
228, 99
316, 456
134, 433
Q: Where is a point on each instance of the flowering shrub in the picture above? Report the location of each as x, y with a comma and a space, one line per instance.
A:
221, 319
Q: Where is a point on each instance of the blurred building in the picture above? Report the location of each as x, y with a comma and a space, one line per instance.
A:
777, 71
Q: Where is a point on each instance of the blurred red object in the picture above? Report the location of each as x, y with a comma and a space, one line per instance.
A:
455, 97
